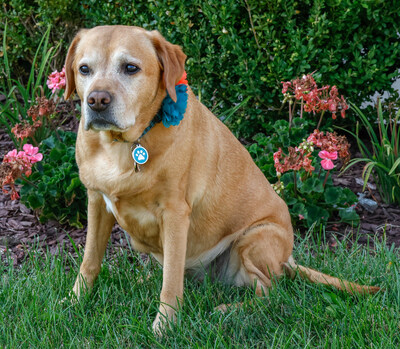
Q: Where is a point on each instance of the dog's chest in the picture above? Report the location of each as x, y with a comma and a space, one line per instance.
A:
112, 172
127, 196
141, 215
138, 221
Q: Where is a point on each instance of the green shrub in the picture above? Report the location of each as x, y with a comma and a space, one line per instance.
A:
313, 199
239, 49
54, 189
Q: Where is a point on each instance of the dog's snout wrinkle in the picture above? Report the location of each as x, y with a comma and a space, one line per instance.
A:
99, 100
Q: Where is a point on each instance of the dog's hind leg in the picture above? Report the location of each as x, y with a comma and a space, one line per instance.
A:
258, 256
262, 250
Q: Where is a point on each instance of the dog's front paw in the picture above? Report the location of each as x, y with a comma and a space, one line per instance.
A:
81, 287
159, 324
164, 317
70, 299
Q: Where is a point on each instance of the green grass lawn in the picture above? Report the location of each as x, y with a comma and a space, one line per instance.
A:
120, 310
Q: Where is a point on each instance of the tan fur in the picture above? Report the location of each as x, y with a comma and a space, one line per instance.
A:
199, 199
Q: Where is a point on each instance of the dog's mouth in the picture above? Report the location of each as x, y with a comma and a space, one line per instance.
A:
102, 122
101, 125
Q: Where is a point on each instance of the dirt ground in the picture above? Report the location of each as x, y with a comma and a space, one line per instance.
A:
21, 231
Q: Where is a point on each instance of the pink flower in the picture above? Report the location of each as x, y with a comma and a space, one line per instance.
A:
15, 164
56, 80
32, 153
327, 164
327, 157
11, 154
301, 217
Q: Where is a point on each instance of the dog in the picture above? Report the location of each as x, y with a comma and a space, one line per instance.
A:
199, 203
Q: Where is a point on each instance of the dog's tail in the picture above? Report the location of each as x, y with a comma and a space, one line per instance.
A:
317, 277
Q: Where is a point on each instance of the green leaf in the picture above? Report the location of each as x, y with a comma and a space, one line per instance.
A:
299, 209
332, 195
35, 201
395, 165
56, 154
49, 142
312, 184
316, 214
290, 201
348, 197
75, 182
349, 215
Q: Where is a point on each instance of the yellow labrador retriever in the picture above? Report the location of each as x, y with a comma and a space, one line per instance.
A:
199, 203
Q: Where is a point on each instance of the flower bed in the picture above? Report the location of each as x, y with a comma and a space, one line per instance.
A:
301, 160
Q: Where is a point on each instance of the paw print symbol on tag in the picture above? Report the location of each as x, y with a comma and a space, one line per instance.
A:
140, 155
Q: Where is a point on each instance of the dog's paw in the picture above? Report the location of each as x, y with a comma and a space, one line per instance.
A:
71, 299
166, 316
223, 308
159, 325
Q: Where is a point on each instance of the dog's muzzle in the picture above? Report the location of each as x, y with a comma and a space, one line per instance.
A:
99, 115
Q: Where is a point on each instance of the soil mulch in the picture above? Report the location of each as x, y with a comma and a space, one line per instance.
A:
21, 231
382, 222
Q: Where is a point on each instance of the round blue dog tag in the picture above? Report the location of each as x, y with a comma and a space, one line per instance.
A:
140, 155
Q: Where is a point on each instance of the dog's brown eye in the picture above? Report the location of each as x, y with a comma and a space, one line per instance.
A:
84, 70
131, 69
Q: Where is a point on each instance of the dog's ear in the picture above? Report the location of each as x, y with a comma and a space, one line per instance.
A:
172, 60
69, 61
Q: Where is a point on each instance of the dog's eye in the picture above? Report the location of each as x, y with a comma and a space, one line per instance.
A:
84, 70
131, 69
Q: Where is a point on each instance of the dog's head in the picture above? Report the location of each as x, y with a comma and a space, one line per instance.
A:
122, 74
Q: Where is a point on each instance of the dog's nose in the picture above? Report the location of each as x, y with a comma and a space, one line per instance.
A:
99, 100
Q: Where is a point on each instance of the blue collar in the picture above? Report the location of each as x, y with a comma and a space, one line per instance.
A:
170, 113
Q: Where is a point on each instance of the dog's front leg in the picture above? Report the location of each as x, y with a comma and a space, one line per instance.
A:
100, 223
174, 238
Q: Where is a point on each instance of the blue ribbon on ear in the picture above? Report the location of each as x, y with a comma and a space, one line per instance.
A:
172, 112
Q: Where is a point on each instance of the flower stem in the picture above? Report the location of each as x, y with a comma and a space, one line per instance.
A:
29, 182
320, 119
301, 110
326, 178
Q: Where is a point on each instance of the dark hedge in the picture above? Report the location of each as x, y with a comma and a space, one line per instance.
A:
237, 49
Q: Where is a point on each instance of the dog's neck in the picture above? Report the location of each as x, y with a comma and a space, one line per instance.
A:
170, 114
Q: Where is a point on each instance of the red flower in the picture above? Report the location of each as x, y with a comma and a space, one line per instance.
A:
297, 159
25, 129
315, 99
